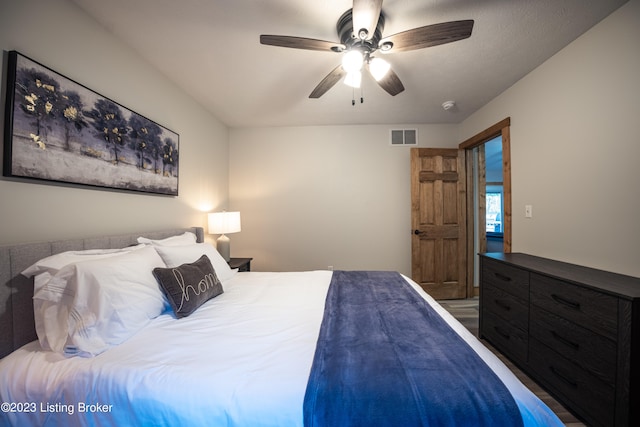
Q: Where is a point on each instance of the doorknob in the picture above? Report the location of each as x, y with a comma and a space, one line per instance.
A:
417, 232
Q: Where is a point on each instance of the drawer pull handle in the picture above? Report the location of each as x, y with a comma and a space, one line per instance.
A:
564, 301
558, 374
565, 341
500, 331
503, 277
502, 304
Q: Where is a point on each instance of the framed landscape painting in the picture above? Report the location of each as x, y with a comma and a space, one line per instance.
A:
59, 130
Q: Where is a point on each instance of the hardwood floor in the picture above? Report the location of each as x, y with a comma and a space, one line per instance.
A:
466, 311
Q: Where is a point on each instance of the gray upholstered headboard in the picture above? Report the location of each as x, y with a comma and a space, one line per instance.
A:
17, 325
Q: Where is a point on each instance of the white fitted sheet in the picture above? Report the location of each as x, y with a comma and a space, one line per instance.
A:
242, 359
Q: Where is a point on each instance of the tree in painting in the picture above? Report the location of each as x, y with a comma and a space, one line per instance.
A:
145, 139
72, 115
110, 125
39, 100
169, 157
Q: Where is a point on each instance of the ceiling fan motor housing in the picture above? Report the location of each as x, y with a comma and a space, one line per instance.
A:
352, 40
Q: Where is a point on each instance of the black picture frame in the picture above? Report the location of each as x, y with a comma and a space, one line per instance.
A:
58, 130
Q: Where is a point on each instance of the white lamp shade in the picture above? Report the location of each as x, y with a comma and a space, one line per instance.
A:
353, 79
352, 61
379, 68
224, 222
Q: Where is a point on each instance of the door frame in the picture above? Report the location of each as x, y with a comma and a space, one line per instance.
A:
502, 128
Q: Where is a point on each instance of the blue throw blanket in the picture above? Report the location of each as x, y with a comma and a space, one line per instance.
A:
385, 358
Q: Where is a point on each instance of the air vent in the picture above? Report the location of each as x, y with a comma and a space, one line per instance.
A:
404, 137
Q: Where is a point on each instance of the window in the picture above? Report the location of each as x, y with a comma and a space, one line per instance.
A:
494, 213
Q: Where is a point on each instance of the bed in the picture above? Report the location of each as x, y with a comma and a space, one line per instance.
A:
258, 353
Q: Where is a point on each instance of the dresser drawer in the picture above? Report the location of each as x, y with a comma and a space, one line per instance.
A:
591, 351
507, 306
590, 309
511, 340
506, 277
588, 396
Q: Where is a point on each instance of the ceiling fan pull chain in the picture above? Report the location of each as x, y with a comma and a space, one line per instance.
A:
353, 97
361, 95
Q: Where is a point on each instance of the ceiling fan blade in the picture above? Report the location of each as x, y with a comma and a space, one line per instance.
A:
328, 82
301, 43
365, 15
430, 35
390, 82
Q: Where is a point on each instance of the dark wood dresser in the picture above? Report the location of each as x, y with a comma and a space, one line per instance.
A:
573, 329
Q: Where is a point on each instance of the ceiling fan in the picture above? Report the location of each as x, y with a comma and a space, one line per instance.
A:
360, 32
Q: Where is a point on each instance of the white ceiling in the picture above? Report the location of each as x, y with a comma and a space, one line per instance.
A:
211, 49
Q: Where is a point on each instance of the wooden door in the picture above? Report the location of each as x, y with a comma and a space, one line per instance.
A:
438, 220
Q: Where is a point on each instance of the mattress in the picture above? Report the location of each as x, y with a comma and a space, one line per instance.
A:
242, 359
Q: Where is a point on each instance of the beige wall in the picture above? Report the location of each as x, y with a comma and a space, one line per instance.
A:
59, 35
311, 197
575, 137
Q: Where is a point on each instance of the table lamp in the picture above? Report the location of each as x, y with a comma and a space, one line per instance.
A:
224, 223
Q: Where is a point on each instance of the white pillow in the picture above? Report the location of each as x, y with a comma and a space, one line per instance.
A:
175, 256
187, 238
54, 263
90, 306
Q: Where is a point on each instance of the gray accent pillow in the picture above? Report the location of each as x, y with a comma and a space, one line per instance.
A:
189, 286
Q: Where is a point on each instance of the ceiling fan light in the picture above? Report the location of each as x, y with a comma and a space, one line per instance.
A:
352, 61
353, 79
379, 68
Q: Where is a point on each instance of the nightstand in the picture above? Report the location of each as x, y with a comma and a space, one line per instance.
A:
242, 264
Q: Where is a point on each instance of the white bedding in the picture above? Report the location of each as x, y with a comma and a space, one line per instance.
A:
242, 359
